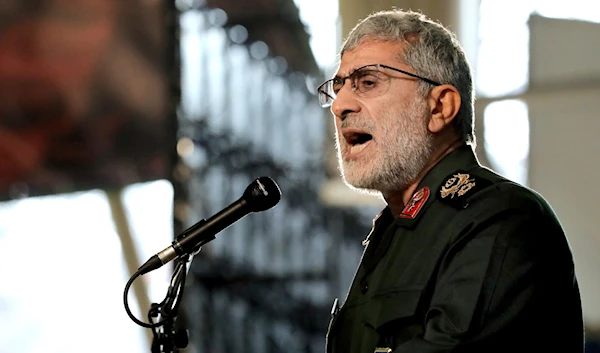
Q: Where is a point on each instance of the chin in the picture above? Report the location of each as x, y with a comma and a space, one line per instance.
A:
365, 191
374, 181
358, 181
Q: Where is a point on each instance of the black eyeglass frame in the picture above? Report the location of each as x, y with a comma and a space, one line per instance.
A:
343, 80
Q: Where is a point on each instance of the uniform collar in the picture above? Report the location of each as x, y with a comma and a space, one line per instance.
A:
462, 158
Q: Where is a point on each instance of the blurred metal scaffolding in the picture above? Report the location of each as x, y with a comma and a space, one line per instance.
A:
247, 109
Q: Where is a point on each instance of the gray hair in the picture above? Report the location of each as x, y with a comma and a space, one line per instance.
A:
431, 50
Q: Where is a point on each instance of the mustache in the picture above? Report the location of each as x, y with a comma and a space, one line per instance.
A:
358, 122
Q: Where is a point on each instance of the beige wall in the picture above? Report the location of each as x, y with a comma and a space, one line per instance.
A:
564, 143
446, 12
564, 151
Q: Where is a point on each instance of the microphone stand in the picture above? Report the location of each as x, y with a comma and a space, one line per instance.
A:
262, 194
166, 339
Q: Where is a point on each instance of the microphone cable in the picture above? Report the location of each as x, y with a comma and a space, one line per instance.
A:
167, 309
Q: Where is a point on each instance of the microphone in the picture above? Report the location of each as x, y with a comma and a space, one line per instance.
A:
262, 194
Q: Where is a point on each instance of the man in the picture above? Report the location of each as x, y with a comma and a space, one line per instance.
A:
461, 259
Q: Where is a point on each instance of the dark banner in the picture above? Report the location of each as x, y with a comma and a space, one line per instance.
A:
83, 95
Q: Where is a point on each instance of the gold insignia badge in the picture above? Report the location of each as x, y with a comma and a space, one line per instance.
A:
457, 185
382, 350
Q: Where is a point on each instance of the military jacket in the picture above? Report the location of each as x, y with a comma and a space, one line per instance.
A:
474, 263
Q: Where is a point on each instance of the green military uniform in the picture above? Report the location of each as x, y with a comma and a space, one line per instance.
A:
475, 263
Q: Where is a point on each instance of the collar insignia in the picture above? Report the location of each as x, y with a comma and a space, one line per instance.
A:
382, 350
415, 204
457, 185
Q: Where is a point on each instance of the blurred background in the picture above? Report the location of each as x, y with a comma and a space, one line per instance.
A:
122, 123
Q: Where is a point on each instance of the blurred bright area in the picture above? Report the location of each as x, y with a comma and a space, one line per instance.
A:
502, 70
502, 63
322, 23
63, 270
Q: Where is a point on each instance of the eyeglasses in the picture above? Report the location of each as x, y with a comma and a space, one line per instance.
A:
367, 81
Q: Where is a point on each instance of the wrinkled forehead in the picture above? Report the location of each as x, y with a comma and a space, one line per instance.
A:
368, 53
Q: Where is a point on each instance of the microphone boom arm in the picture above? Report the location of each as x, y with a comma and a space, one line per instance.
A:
259, 196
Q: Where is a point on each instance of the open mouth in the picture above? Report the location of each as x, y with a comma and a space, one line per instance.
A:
356, 138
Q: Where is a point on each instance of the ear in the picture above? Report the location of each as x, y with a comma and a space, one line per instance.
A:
444, 102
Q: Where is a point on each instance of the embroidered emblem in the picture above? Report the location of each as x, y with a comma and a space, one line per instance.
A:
383, 350
458, 188
457, 185
415, 204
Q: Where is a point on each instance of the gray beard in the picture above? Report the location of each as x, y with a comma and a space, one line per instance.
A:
403, 151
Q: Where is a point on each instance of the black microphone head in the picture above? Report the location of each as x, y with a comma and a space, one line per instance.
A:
262, 194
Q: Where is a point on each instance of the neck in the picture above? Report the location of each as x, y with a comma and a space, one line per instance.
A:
397, 200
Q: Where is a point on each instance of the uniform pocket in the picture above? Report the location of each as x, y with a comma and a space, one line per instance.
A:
394, 318
392, 306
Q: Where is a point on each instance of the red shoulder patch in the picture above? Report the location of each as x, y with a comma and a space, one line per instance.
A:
415, 204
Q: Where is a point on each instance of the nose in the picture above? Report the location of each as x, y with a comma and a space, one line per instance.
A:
345, 103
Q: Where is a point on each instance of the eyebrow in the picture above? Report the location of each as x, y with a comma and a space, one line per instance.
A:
337, 76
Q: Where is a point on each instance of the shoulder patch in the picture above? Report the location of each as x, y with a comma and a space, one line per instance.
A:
459, 186
412, 208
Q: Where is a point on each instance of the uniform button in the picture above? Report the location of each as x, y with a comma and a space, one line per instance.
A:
364, 288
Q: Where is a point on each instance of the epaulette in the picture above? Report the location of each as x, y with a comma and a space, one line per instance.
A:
459, 186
